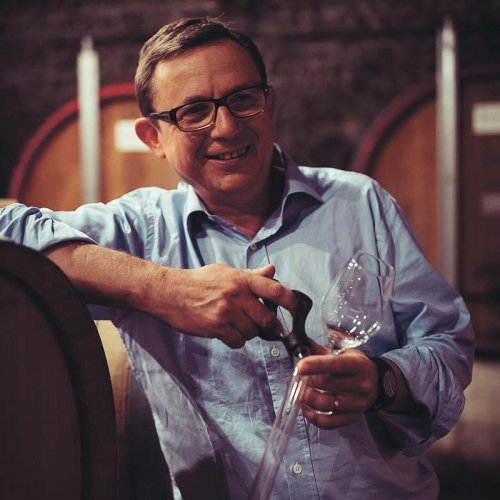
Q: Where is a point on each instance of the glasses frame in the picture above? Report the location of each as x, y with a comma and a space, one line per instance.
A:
170, 115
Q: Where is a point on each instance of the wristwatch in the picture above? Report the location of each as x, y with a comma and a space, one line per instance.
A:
387, 384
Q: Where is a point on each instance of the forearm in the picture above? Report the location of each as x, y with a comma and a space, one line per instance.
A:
108, 277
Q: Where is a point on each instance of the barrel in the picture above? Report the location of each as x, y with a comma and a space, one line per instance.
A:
48, 172
143, 472
57, 425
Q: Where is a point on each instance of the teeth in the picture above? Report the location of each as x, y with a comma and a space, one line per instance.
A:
229, 156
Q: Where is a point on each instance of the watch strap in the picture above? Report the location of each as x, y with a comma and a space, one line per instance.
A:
386, 384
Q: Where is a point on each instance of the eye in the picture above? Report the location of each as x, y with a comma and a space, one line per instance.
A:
194, 113
245, 99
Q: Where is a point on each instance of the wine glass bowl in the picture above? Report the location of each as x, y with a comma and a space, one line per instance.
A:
352, 309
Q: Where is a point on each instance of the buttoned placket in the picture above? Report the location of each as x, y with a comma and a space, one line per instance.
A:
238, 251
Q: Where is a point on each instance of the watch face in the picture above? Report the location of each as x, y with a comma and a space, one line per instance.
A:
389, 382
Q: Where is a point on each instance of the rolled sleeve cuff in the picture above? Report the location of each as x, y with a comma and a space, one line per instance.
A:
436, 389
38, 229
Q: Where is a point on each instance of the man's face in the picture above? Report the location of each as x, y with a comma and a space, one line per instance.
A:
228, 162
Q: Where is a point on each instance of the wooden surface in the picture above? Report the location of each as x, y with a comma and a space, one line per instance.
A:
407, 169
143, 472
48, 173
399, 151
57, 426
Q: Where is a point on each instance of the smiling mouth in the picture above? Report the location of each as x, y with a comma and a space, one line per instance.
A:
229, 156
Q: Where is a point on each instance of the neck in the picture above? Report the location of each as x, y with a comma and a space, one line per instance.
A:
249, 215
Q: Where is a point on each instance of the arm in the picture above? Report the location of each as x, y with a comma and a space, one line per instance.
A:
212, 301
215, 301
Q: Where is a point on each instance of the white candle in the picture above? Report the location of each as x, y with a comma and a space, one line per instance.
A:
89, 123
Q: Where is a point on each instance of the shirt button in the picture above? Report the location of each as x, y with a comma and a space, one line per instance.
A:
275, 352
297, 468
253, 247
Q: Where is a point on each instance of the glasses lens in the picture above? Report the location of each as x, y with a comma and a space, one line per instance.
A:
196, 115
246, 102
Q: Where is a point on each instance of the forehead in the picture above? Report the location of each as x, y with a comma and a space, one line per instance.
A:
207, 71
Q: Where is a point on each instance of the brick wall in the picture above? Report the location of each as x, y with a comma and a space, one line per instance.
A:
335, 63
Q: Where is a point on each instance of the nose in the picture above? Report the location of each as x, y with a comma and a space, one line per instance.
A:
226, 125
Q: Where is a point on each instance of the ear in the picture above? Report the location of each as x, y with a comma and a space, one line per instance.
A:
271, 100
148, 134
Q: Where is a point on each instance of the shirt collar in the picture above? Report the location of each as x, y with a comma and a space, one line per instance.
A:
295, 180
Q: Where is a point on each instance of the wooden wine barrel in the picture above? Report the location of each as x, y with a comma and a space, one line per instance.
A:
57, 425
48, 172
399, 150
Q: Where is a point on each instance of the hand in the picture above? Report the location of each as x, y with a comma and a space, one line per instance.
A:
348, 385
218, 301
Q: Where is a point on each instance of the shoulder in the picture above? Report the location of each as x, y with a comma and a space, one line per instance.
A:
329, 181
148, 205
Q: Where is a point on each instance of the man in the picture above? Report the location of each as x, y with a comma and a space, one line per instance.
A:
185, 273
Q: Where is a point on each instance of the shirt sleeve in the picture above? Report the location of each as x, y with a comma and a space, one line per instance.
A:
36, 228
434, 335
123, 224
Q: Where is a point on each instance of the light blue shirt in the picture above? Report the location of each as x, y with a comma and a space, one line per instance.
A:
214, 404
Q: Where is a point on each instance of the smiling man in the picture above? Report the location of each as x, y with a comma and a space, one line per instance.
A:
229, 164
185, 272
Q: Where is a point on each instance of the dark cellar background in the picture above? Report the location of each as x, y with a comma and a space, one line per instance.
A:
336, 64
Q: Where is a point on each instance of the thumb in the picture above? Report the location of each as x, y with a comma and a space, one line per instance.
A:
267, 271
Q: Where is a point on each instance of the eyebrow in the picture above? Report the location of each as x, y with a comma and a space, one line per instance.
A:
192, 99
196, 98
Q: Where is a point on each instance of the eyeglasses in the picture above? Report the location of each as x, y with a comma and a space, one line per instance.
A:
198, 115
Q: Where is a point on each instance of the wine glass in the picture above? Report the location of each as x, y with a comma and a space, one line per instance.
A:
352, 309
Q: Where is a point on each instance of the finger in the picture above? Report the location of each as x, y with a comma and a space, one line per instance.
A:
319, 364
267, 271
333, 408
240, 329
320, 400
325, 421
272, 291
263, 318
232, 337
246, 326
348, 363
318, 348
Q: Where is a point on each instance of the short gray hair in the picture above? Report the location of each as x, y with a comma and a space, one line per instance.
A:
178, 37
